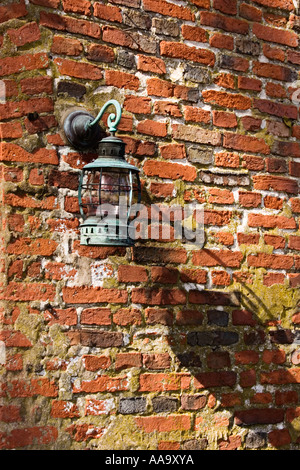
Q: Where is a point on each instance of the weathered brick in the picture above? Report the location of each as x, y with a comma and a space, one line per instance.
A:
182, 51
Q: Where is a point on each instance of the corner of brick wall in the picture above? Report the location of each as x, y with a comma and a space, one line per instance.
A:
159, 346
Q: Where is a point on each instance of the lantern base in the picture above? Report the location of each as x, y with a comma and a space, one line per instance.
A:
109, 234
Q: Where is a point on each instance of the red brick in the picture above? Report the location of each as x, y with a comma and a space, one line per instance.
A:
276, 72
158, 87
248, 378
129, 273
194, 33
271, 221
226, 23
220, 278
77, 6
154, 128
168, 9
10, 414
221, 41
279, 438
28, 246
13, 10
253, 84
11, 65
28, 436
259, 416
128, 360
274, 53
276, 183
294, 169
213, 217
103, 383
162, 189
220, 196
160, 382
198, 276
70, 24
126, 316
78, 69
265, 260
283, 398
276, 109
293, 57
158, 296
274, 278
93, 363
226, 100
64, 409
134, 41
164, 275
37, 85
295, 204
169, 170
206, 257
250, 199
167, 108
281, 377
66, 46
10, 130
191, 113
226, 6
190, 317
95, 316
107, 12
294, 279
173, 151
84, 294
233, 443
227, 159
225, 238
15, 339
100, 53
281, 4
270, 34
26, 34
248, 238
275, 240
215, 379
156, 361
151, 64
158, 316
294, 242
224, 119
122, 80
164, 423
250, 12
245, 143
182, 51
246, 357
137, 104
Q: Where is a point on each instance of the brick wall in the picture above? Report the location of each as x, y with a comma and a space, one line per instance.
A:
159, 346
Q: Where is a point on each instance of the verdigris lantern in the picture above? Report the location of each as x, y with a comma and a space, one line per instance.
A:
109, 185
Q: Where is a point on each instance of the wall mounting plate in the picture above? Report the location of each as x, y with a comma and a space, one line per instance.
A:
77, 133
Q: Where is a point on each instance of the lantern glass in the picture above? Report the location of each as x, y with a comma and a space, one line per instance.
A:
106, 196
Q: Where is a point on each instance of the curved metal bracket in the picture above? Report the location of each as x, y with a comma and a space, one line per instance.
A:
82, 129
112, 120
